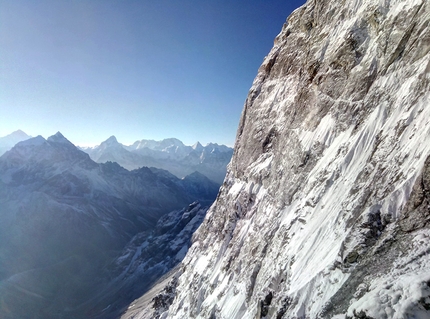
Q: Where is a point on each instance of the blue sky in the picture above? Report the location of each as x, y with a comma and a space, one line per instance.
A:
133, 69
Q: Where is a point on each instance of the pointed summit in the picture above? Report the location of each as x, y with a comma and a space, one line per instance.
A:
19, 134
58, 138
111, 141
7, 142
34, 141
55, 151
197, 147
58, 135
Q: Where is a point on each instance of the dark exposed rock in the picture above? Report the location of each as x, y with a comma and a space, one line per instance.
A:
163, 300
416, 213
264, 304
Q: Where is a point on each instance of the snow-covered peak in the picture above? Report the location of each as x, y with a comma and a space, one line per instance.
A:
214, 147
111, 141
56, 151
171, 141
59, 138
166, 144
142, 143
8, 141
34, 141
18, 134
169, 154
197, 147
25, 149
55, 200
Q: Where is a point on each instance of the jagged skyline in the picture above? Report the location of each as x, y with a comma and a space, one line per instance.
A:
14, 137
96, 69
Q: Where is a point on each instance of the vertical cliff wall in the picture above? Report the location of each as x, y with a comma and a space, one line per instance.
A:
325, 208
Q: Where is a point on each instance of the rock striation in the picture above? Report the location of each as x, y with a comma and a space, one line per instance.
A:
324, 212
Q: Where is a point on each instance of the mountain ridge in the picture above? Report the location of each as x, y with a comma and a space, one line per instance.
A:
8, 141
169, 154
65, 219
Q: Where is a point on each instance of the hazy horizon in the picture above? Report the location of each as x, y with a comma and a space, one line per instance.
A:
126, 144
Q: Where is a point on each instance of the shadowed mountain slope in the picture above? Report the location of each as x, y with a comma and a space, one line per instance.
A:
64, 220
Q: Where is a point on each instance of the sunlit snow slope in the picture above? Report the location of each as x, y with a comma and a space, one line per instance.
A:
325, 208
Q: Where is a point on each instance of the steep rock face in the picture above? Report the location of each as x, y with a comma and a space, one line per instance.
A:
324, 211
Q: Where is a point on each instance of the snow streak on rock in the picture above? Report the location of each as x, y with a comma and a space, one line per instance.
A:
324, 211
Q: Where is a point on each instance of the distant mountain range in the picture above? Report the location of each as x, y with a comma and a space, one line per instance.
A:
81, 239
65, 220
169, 154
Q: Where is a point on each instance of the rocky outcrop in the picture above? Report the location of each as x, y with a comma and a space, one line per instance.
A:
416, 214
324, 210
